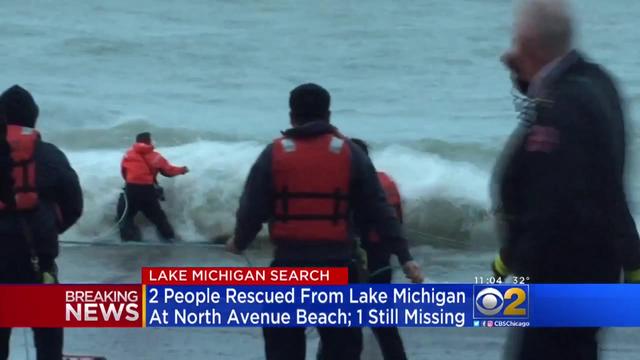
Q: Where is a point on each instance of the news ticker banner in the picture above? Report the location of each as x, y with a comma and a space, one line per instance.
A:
305, 297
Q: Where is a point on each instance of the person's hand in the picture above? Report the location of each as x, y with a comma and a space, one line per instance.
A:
185, 170
412, 272
231, 246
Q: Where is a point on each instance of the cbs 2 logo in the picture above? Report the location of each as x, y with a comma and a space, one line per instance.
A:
490, 302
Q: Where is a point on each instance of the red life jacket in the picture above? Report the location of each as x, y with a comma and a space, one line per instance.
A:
311, 179
393, 198
22, 142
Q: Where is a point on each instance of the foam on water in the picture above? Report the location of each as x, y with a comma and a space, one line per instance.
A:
441, 196
421, 82
444, 185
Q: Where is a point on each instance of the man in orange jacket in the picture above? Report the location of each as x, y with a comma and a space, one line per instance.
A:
140, 167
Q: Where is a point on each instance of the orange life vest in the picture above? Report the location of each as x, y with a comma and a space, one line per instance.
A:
393, 198
311, 179
22, 143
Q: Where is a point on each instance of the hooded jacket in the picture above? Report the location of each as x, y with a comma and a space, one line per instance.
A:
60, 196
141, 164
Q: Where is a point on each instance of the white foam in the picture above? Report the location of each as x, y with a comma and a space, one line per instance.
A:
202, 203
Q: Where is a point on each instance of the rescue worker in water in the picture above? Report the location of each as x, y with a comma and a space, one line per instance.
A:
308, 185
140, 167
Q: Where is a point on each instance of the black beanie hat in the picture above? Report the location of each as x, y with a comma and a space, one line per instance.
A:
309, 102
144, 137
19, 107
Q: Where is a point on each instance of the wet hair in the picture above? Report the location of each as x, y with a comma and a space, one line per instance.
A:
144, 137
361, 144
309, 102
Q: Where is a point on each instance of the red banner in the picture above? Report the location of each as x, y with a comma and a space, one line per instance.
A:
71, 306
244, 276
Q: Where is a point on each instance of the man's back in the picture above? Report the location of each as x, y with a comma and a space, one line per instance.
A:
311, 179
60, 206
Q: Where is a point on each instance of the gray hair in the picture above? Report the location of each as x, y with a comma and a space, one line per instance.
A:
551, 22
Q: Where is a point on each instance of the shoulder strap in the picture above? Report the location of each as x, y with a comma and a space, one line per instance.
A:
26, 230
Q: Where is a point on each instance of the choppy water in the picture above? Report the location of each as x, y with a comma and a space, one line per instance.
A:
210, 79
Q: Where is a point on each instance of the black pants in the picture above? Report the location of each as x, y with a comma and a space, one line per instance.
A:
378, 263
48, 342
142, 198
290, 343
553, 344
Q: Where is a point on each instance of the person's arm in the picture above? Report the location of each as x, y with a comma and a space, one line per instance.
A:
68, 193
162, 165
371, 205
123, 170
398, 207
256, 201
541, 163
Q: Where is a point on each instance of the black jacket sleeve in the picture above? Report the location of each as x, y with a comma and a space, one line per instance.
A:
543, 179
371, 206
256, 200
67, 193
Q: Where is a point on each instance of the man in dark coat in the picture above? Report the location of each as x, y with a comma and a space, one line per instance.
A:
559, 185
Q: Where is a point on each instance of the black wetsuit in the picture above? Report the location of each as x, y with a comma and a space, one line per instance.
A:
145, 199
560, 188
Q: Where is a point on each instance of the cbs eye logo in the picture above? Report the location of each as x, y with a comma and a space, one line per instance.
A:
491, 302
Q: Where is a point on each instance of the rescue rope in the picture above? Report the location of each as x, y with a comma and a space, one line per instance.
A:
384, 269
422, 235
115, 227
426, 235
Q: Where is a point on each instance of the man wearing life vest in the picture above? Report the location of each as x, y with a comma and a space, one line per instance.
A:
378, 261
308, 185
140, 168
40, 199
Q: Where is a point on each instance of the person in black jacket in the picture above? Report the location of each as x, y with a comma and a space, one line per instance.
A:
308, 185
559, 185
29, 237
